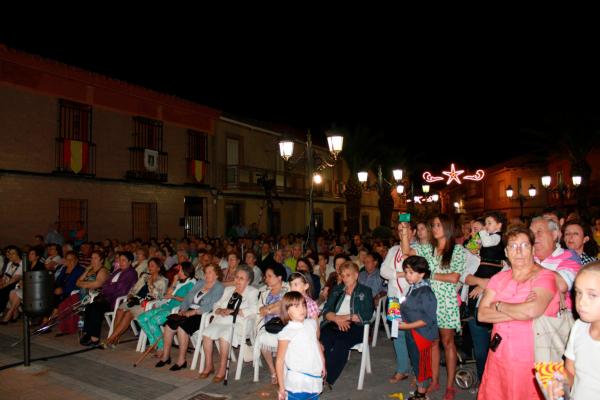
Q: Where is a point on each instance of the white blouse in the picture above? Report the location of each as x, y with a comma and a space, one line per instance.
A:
303, 364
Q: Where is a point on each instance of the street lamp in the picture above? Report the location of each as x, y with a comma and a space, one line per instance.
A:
561, 190
335, 143
363, 177
532, 191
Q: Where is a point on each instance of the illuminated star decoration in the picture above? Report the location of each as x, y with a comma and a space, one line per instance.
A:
453, 174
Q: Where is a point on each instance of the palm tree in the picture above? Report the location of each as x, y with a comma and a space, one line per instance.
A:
366, 148
574, 135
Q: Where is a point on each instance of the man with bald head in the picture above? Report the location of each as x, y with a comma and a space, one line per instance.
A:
548, 253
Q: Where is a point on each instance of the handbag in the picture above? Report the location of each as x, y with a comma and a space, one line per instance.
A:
176, 318
552, 333
133, 301
274, 325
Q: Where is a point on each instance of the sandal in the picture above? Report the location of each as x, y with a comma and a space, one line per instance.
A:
450, 393
273, 379
205, 375
397, 377
433, 388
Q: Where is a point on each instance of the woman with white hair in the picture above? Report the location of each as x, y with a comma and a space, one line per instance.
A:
222, 324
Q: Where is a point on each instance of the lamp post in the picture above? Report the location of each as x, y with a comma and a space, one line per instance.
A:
532, 191
562, 190
384, 189
335, 143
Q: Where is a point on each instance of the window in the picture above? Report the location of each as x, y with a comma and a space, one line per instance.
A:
318, 221
70, 212
233, 216
147, 160
193, 220
144, 220
233, 160
74, 151
197, 155
365, 223
502, 190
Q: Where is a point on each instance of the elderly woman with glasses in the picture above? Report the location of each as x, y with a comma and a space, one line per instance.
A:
220, 328
512, 300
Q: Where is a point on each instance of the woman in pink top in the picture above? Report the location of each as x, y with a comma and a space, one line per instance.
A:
511, 301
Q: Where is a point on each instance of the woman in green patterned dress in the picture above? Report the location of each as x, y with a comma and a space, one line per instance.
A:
447, 262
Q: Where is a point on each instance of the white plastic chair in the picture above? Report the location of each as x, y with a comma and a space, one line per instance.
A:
247, 326
206, 320
110, 317
365, 361
142, 338
256, 362
379, 318
196, 341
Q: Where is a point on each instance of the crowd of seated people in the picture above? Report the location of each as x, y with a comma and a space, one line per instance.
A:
170, 286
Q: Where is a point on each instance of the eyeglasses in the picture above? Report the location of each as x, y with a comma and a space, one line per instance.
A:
514, 246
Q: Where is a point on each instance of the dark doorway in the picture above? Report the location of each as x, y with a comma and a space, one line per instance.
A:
233, 215
337, 222
275, 227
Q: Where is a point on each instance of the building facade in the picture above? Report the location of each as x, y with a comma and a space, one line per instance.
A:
248, 172
129, 162
83, 147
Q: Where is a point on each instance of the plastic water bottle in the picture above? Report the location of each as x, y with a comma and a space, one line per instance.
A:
80, 325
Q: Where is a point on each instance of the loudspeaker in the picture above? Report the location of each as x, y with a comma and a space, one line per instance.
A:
38, 290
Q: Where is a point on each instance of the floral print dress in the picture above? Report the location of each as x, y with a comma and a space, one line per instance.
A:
448, 315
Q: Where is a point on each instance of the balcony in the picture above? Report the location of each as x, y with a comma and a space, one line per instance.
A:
147, 169
245, 178
74, 157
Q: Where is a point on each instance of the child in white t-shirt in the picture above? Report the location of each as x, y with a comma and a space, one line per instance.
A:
583, 349
300, 361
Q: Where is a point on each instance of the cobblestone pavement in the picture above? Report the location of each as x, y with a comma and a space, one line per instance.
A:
109, 374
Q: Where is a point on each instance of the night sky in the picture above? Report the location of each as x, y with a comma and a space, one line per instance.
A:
446, 112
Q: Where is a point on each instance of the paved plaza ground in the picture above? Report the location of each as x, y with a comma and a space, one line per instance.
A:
109, 374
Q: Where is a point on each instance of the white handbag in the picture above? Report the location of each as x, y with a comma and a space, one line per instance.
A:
552, 333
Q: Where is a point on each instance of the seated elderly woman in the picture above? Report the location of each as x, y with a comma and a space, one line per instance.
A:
511, 301
15, 296
220, 328
118, 284
348, 308
65, 282
151, 320
88, 282
150, 286
198, 301
269, 302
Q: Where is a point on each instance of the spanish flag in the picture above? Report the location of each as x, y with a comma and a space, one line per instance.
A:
75, 155
198, 170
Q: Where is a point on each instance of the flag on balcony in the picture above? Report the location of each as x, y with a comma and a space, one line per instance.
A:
75, 155
198, 170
